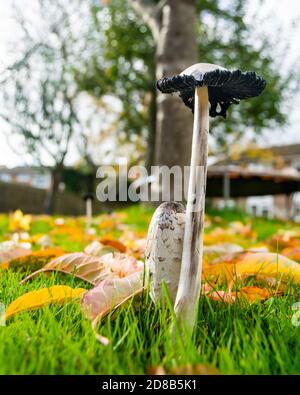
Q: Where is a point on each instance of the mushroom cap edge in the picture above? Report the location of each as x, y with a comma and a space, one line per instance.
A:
225, 87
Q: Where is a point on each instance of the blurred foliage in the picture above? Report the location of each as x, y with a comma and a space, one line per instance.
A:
39, 93
107, 50
78, 181
125, 64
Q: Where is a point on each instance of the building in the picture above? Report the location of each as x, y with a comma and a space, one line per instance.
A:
283, 160
36, 177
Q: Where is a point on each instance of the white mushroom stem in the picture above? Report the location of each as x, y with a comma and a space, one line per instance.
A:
89, 213
191, 266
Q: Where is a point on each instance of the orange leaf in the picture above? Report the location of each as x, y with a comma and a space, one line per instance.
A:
292, 253
253, 293
114, 243
269, 265
106, 224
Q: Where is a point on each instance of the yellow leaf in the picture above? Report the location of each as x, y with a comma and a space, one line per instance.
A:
18, 221
263, 264
42, 297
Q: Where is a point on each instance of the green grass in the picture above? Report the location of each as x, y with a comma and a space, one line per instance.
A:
243, 338
253, 339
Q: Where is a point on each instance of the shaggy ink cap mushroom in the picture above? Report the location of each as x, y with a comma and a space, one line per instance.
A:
225, 87
207, 89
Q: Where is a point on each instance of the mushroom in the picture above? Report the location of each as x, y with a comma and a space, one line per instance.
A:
164, 249
88, 198
207, 89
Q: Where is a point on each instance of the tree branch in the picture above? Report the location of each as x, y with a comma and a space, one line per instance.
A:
150, 14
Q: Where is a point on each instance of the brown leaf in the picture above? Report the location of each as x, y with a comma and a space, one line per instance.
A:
91, 269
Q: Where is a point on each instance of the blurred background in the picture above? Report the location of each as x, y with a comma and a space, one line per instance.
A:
78, 90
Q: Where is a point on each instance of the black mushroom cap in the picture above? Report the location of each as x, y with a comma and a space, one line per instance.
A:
225, 87
88, 196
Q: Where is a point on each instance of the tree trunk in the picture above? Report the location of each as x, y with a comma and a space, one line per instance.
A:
56, 177
152, 130
176, 50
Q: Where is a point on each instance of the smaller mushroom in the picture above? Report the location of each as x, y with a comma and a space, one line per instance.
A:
207, 89
164, 249
88, 198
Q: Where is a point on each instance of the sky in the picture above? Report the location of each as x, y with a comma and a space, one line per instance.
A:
284, 12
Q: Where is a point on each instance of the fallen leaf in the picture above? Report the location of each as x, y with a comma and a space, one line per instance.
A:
243, 230
110, 294
199, 369
44, 241
251, 293
259, 248
91, 269
42, 297
19, 222
34, 260
222, 296
156, 371
10, 250
284, 239
215, 251
292, 253
106, 224
97, 249
59, 221
270, 265
236, 233
223, 248
114, 243
134, 243
254, 294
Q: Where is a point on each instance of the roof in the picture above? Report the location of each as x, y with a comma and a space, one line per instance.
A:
249, 155
244, 182
285, 150
23, 170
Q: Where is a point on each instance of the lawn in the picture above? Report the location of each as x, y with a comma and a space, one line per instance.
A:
247, 338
